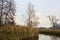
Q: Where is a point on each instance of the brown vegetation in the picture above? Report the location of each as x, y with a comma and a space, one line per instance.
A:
9, 32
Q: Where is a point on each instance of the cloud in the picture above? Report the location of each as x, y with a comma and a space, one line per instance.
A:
43, 20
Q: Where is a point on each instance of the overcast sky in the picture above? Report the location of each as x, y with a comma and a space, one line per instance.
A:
45, 7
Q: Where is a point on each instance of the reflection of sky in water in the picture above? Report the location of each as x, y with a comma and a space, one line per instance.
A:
46, 37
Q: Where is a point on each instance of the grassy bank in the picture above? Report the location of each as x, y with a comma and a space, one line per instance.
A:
14, 32
55, 32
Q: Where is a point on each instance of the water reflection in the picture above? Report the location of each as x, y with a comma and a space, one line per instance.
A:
47, 37
53, 38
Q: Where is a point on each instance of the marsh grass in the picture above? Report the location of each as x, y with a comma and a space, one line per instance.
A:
9, 32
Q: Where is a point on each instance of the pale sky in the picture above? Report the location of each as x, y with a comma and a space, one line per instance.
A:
45, 7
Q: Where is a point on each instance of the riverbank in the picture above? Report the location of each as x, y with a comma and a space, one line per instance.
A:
14, 32
55, 32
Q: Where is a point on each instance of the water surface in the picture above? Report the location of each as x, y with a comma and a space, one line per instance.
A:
47, 37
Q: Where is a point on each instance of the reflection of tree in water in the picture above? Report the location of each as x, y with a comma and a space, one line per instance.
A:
53, 38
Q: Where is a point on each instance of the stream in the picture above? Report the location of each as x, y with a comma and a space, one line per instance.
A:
47, 37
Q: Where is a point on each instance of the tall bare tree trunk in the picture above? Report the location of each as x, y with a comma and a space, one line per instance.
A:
1, 13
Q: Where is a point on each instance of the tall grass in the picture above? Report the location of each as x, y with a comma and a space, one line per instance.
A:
9, 32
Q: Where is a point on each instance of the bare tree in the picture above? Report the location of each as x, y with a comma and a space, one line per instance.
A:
53, 20
32, 19
10, 12
7, 12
